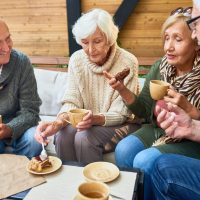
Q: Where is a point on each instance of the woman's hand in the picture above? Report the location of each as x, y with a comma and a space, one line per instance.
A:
86, 123
89, 120
178, 99
181, 101
114, 83
124, 92
45, 129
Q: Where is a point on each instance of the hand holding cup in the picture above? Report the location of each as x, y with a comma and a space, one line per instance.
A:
76, 116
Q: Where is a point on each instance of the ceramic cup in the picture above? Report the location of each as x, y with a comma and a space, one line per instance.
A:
158, 89
76, 116
93, 191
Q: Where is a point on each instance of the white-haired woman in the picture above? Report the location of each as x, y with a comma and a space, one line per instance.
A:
106, 122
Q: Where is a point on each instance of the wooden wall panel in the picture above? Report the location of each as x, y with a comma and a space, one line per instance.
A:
39, 27
141, 33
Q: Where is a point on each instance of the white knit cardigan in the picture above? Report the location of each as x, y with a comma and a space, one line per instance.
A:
89, 89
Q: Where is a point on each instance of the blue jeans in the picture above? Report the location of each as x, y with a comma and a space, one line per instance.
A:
176, 177
130, 152
25, 145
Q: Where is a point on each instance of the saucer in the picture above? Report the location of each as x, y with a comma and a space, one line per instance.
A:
76, 198
56, 164
101, 171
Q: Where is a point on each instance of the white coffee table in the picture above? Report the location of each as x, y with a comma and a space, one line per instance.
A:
63, 184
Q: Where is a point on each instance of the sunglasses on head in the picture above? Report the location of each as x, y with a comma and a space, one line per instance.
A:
192, 23
180, 10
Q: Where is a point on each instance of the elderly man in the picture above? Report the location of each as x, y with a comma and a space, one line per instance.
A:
176, 176
19, 100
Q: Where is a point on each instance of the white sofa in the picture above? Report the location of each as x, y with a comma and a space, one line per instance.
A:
51, 87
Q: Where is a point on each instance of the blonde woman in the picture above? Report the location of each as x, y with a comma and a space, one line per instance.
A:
181, 68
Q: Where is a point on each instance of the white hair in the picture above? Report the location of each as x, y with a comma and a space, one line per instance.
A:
197, 4
88, 23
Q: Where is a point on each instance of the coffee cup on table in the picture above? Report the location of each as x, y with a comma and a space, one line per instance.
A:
76, 116
158, 89
93, 191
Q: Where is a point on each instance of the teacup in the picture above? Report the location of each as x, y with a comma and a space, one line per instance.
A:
158, 89
93, 191
76, 116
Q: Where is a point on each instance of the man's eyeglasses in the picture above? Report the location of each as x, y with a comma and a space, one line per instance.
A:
192, 23
185, 11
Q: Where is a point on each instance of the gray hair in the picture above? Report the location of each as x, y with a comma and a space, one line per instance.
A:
197, 4
88, 23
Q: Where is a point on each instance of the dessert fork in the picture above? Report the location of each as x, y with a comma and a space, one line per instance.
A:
43, 154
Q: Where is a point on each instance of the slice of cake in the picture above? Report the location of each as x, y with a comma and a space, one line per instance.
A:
37, 164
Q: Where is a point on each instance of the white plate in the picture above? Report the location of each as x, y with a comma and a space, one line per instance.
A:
101, 171
56, 164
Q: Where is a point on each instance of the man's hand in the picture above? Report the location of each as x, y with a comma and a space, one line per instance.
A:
5, 131
175, 121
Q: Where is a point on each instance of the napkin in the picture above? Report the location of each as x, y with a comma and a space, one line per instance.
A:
14, 177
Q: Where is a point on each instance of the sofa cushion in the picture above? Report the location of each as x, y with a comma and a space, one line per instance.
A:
51, 86
47, 118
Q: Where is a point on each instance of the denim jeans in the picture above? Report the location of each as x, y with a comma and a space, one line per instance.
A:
130, 152
176, 177
25, 145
